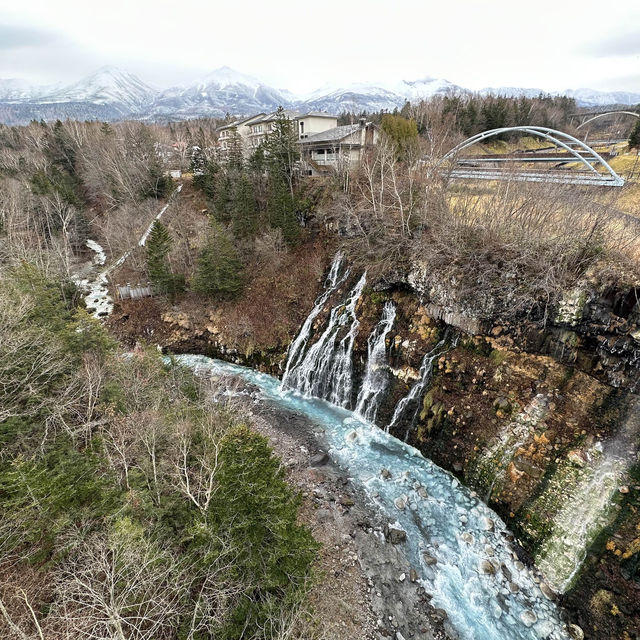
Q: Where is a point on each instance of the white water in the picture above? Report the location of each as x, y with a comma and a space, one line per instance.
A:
589, 506
441, 518
297, 347
376, 376
411, 402
96, 291
325, 369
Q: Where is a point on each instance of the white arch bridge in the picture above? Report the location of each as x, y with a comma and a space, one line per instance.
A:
592, 169
590, 117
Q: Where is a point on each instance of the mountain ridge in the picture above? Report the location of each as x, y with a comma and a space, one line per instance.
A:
114, 93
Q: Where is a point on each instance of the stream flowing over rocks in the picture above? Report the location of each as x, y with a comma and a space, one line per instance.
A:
460, 550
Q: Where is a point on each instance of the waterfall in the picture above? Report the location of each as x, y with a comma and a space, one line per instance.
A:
590, 504
332, 282
458, 547
325, 370
376, 378
412, 399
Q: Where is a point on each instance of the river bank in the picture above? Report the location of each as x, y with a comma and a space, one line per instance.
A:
367, 588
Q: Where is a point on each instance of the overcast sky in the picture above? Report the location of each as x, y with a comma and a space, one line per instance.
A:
550, 44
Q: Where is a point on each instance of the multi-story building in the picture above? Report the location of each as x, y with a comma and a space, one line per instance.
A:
324, 146
235, 132
338, 148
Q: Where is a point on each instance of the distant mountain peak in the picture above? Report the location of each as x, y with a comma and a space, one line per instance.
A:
106, 85
226, 77
112, 93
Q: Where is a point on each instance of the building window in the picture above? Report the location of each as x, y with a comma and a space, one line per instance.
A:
301, 127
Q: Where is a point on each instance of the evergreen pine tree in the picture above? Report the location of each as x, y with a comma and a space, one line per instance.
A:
634, 138
219, 270
281, 208
245, 217
281, 156
158, 246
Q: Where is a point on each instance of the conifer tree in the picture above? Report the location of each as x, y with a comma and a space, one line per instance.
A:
245, 217
281, 156
219, 272
634, 138
158, 246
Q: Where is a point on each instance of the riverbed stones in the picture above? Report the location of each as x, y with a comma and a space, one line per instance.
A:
487, 568
488, 524
319, 459
528, 617
352, 436
467, 537
422, 492
395, 535
547, 591
429, 560
385, 473
575, 632
400, 502
544, 629
513, 587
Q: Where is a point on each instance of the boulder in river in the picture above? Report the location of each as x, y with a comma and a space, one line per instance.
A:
320, 459
487, 568
395, 535
528, 617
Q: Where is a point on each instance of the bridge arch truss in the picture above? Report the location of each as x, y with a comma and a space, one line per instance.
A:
608, 113
576, 151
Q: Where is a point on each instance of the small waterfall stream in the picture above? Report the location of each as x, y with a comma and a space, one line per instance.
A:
325, 370
590, 505
411, 402
297, 347
376, 376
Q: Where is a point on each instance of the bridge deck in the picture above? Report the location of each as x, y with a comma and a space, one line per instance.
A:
556, 177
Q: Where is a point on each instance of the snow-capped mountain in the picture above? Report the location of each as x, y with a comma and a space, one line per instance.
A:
591, 98
512, 92
220, 92
359, 96
16, 89
112, 94
376, 96
107, 86
583, 97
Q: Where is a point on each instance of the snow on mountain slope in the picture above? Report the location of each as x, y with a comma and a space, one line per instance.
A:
111, 93
108, 85
17, 89
592, 98
221, 91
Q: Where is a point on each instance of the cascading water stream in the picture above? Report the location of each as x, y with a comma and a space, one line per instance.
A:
325, 370
458, 546
376, 376
333, 281
411, 402
590, 505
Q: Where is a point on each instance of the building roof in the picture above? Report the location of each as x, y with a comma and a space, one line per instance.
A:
237, 123
332, 135
288, 113
318, 114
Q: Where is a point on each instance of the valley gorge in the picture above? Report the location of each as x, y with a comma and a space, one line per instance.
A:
528, 417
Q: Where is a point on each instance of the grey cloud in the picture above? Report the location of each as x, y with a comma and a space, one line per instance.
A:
625, 44
15, 37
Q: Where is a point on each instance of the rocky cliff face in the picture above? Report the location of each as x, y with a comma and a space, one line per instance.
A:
539, 417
